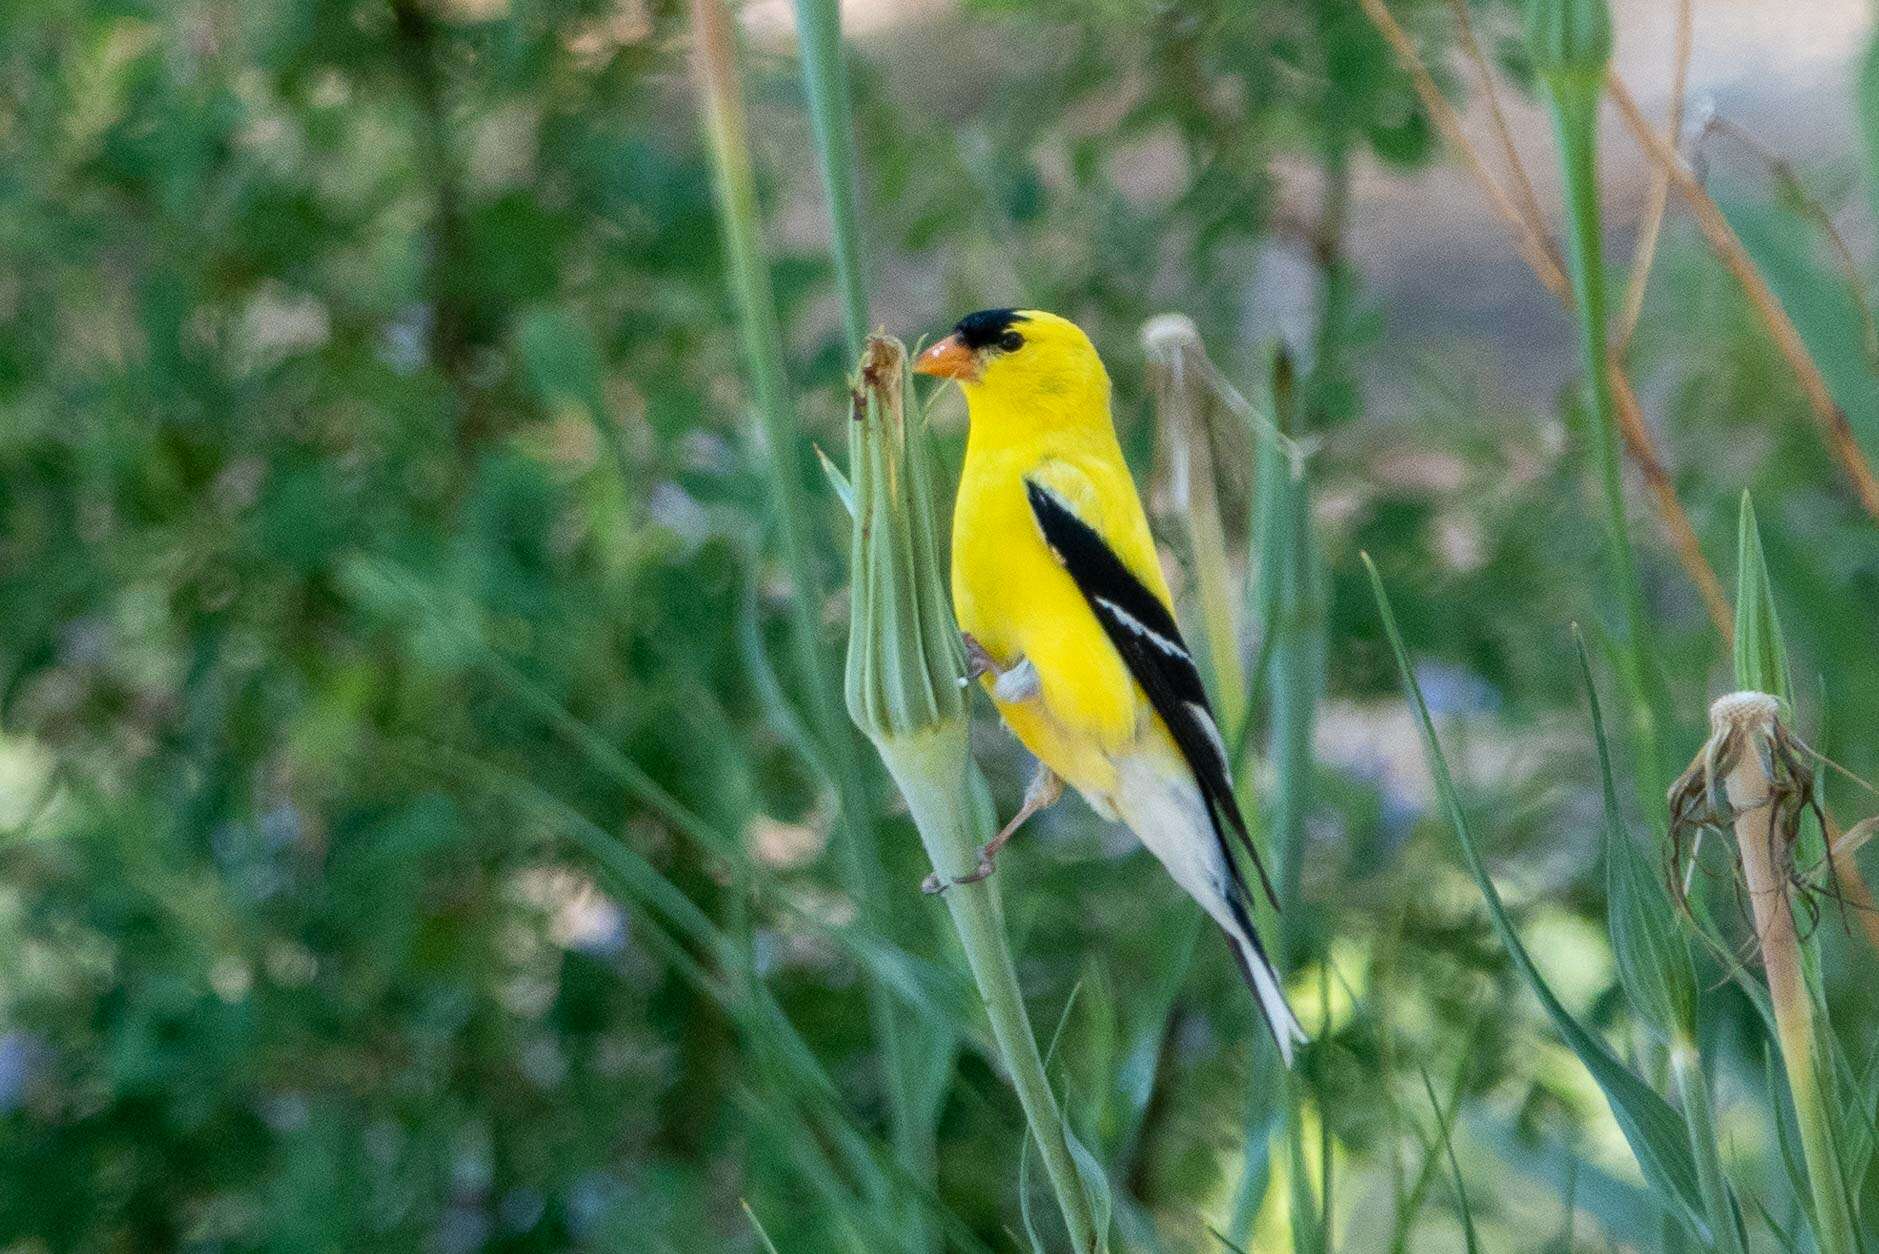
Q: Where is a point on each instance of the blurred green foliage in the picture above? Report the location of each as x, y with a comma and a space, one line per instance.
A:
384, 559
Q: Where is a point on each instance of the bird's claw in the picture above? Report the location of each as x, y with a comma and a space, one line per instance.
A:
978, 662
982, 871
934, 884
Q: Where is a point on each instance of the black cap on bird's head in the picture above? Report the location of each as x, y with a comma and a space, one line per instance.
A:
961, 355
986, 327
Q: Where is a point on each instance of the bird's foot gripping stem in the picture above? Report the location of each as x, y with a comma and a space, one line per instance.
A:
1010, 684
1042, 792
978, 662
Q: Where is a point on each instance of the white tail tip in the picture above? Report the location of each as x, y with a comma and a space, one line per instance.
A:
1265, 981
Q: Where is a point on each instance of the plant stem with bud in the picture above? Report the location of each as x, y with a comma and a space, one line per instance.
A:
1751, 718
904, 688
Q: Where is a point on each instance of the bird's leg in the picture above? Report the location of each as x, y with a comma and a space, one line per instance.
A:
1018, 683
1042, 792
1010, 684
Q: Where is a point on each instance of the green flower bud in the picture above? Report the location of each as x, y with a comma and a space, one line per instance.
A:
1570, 38
1761, 656
904, 657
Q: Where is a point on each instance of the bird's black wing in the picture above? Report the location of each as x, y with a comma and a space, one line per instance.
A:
1145, 634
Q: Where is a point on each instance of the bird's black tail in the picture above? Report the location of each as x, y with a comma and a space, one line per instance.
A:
1263, 980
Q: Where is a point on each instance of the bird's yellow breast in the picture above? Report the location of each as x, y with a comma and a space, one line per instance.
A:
1012, 594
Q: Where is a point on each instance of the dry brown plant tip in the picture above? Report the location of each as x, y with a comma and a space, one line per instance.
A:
1710, 794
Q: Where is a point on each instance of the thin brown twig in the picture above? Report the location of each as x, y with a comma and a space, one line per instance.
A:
1845, 872
1785, 176
1645, 253
1663, 492
1835, 428
1529, 240
1523, 186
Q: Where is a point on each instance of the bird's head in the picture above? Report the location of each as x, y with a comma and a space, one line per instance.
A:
1022, 357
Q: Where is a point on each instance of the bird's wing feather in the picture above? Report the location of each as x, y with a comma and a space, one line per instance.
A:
1142, 629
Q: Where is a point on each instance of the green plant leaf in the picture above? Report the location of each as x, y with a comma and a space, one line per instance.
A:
757, 1225
1470, 1240
1652, 955
1650, 1126
844, 491
1761, 655
1860, 1098
1787, 1138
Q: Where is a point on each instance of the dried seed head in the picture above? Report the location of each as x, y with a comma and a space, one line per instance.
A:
1165, 336
1202, 445
1743, 709
1750, 761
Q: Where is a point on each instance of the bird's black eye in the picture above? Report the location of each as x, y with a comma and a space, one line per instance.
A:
1011, 341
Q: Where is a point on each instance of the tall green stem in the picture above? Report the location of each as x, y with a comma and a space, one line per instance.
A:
1289, 599
825, 82
952, 813
903, 682
749, 275
1575, 101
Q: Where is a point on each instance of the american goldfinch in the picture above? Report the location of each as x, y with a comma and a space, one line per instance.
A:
1068, 622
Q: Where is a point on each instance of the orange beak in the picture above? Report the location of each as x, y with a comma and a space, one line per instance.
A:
948, 359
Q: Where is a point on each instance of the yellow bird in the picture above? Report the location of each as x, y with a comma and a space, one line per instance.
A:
1068, 623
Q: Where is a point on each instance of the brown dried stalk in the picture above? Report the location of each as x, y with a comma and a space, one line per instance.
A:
1789, 181
1841, 846
1722, 238
1663, 492
1645, 252
1523, 186
1530, 240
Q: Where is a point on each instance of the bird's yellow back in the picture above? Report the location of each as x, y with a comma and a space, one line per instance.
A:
1042, 412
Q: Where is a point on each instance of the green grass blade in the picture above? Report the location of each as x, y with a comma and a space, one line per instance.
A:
1652, 955
1471, 1241
1783, 1237
1308, 1234
1761, 655
1226, 1242
1787, 1140
1627, 1212
1860, 1097
1650, 1126
756, 1225
1692, 1088
1571, 42
1659, 978
844, 491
